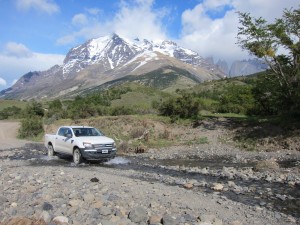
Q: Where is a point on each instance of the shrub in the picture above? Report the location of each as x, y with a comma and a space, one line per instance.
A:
185, 106
34, 108
236, 99
55, 110
13, 111
121, 110
31, 127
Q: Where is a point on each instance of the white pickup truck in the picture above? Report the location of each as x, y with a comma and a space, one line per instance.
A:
82, 142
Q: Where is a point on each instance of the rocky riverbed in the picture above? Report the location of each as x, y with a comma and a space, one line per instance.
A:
203, 184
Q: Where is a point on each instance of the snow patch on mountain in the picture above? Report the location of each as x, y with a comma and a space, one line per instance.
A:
114, 51
96, 46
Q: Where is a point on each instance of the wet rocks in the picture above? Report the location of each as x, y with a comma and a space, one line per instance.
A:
160, 195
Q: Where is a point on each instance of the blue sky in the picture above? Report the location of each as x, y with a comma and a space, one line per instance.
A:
37, 34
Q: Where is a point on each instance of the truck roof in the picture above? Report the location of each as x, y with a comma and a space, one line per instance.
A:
77, 126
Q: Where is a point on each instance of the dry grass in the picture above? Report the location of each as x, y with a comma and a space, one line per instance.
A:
132, 131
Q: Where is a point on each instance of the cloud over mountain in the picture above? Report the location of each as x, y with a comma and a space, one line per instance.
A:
2, 82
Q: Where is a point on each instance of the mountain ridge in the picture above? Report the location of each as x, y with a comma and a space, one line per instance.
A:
107, 58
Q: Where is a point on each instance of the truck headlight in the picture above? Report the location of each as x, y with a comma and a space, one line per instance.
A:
87, 145
114, 146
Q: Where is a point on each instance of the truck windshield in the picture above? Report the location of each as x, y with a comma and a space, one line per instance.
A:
83, 132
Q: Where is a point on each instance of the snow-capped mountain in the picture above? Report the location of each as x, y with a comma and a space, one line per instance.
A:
107, 58
113, 52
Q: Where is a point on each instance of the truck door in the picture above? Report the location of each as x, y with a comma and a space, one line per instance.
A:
67, 142
62, 142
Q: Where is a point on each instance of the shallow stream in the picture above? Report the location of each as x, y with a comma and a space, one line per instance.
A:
272, 195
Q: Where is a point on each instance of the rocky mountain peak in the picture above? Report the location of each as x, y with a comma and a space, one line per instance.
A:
114, 51
106, 58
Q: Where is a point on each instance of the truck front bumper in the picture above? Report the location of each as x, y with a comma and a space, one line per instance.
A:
94, 154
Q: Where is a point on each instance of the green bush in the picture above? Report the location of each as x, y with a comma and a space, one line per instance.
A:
31, 127
236, 99
121, 110
56, 110
10, 112
270, 97
185, 106
33, 108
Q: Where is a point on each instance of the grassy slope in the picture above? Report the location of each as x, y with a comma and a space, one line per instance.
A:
8, 103
140, 96
167, 78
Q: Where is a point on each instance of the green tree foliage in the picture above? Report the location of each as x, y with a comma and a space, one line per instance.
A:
236, 99
97, 104
31, 127
267, 40
56, 110
185, 106
121, 110
34, 108
268, 97
32, 123
10, 112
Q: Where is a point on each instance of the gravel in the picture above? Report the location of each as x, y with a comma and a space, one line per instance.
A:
105, 195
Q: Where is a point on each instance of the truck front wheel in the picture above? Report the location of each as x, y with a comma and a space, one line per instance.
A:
51, 151
77, 158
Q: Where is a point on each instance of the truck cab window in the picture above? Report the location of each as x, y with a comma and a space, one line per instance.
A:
62, 131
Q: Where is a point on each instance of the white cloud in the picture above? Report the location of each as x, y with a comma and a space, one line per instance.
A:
2, 82
134, 19
20, 66
79, 19
200, 32
217, 37
48, 6
17, 50
140, 20
12, 67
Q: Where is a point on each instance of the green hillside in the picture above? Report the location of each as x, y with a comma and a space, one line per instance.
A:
168, 78
9, 103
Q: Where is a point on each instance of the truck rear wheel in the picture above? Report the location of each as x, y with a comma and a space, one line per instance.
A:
77, 158
51, 151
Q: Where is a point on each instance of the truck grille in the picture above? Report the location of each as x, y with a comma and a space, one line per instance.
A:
102, 146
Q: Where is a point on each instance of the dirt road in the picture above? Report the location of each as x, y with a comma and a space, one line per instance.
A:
8, 135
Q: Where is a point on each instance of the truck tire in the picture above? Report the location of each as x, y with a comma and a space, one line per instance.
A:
51, 151
77, 158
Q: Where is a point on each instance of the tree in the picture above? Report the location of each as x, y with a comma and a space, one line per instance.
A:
278, 44
236, 99
32, 123
185, 106
55, 110
12, 111
31, 127
34, 108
